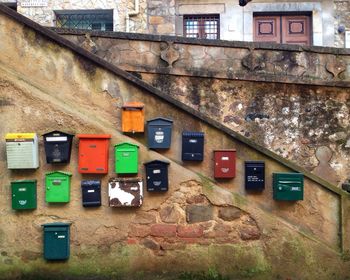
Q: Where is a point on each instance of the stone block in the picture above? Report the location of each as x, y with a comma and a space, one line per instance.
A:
171, 214
249, 233
139, 231
145, 218
150, 244
198, 213
230, 213
162, 230
156, 20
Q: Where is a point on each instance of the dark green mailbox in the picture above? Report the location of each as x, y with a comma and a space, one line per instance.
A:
23, 194
56, 241
57, 186
126, 158
288, 186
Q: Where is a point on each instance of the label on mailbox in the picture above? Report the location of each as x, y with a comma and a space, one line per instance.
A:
57, 139
225, 158
193, 140
91, 191
22, 202
156, 171
22, 189
159, 137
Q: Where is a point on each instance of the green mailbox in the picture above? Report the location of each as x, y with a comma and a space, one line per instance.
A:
126, 158
23, 194
57, 186
288, 186
56, 241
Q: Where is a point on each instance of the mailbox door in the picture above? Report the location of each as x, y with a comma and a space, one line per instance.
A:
192, 148
57, 189
159, 136
254, 175
133, 120
24, 195
21, 155
91, 193
56, 243
225, 164
57, 151
93, 156
125, 192
157, 178
126, 160
288, 186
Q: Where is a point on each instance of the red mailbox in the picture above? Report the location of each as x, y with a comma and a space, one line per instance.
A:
93, 153
224, 163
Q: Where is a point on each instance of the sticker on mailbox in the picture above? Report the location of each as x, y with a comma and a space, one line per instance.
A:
22, 202
57, 139
193, 140
156, 171
22, 189
91, 191
225, 158
159, 137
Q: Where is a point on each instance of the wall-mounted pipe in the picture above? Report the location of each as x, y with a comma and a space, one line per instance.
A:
131, 14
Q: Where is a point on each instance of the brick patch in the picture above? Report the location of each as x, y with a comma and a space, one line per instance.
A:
189, 231
163, 230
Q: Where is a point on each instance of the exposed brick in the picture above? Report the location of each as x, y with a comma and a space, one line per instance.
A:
198, 213
229, 213
131, 241
163, 230
139, 231
190, 231
150, 244
249, 233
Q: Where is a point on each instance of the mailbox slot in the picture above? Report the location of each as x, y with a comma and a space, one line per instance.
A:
157, 175
224, 164
91, 193
159, 132
254, 175
58, 146
288, 186
192, 146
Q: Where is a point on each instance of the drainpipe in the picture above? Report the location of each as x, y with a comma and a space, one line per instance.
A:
131, 14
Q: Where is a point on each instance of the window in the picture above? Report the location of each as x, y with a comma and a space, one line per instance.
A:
283, 28
85, 19
202, 26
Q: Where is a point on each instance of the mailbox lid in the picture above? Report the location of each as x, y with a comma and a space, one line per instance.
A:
57, 186
157, 175
56, 241
22, 150
133, 117
159, 132
225, 163
126, 158
254, 175
93, 153
24, 194
91, 193
58, 146
288, 186
192, 146
125, 192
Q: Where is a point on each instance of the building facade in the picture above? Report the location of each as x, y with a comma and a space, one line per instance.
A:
318, 23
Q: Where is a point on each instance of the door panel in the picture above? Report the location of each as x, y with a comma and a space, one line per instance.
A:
296, 30
267, 29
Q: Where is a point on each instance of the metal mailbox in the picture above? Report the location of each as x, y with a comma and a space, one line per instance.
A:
159, 133
93, 153
24, 194
22, 150
58, 146
125, 192
56, 241
254, 175
91, 190
57, 186
288, 186
126, 158
192, 146
133, 117
224, 163
157, 175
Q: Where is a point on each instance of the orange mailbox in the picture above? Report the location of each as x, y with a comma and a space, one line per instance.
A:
133, 117
93, 153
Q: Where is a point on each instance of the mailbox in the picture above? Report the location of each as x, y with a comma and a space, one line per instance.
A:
56, 241
93, 153
126, 158
254, 175
133, 117
22, 150
288, 186
125, 192
224, 164
23, 194
159, 133
58, 146
157, 175
192, 146
91, 190
57, 186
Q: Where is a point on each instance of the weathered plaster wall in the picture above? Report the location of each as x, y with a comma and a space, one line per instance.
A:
341, 20
197, 225
301, 113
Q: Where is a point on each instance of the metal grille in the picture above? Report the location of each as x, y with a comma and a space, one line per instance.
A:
202, 26
92, 20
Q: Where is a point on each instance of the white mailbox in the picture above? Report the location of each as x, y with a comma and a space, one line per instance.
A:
22, 150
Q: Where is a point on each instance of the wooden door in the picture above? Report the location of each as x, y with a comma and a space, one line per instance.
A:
267, 29
296, 30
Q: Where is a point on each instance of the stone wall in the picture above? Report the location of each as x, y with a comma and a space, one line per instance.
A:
47, 83
291, 100
342, 19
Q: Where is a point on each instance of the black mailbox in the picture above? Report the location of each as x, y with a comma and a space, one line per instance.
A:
159, 133
58, 146
192, 146
157, 175
91, 190
254, 175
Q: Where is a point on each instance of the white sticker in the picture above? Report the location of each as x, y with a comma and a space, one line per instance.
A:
57, 139
295, 189
22, 202
22, 189
156, 171
225, 158
61, 236
193, 141
91, 191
